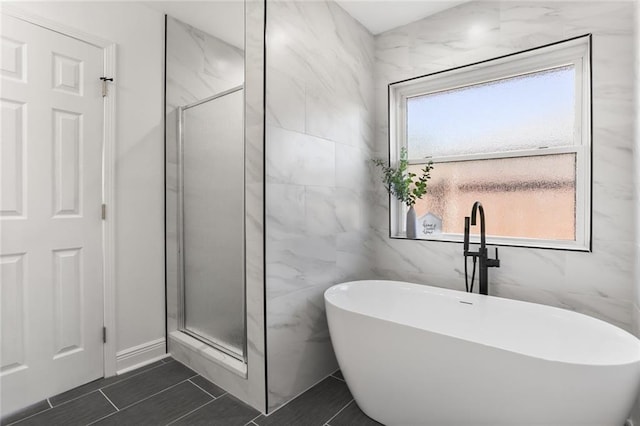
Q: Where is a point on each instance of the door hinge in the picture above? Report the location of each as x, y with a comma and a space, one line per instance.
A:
104, 85
104, 334
104, 211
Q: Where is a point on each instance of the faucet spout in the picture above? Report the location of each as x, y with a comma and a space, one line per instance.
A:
481, 254
477, 206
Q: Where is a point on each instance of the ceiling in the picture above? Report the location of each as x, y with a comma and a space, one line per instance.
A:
225, 18
379, 16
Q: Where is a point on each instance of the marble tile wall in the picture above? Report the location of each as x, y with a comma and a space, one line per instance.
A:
635, 412
198, 66
319, 135
635, 415
600, 283
636, 158
255, 11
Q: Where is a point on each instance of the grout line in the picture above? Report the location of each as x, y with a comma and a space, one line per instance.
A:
340, 411
192, 411
59, 405
338, 378
300, 394
111, 402
132, 376
253, 419
194, 384
139, 401
152, 395
74, 398
101, 418
104, 387
28, 417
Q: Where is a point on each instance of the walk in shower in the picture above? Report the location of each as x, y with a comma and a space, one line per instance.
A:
213, 200
211, 221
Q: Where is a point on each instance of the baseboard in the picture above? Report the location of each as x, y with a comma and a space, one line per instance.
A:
138, 356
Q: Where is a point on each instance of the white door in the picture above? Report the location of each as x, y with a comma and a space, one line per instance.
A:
51, 287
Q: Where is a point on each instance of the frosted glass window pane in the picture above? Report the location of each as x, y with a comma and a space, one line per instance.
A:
527, 111
527, 197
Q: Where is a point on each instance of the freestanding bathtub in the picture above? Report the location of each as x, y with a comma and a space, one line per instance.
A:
420, 355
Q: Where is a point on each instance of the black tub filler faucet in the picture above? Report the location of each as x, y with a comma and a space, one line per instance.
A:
481, 254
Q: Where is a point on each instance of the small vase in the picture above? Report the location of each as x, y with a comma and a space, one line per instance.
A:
411, 223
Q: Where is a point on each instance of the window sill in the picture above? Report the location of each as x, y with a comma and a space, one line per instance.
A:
501, 242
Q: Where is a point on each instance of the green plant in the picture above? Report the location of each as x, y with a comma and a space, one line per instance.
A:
401, 183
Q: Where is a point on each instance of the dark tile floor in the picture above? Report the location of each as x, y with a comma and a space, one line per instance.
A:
168, 393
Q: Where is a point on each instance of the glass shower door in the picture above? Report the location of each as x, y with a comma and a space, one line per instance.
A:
212, 221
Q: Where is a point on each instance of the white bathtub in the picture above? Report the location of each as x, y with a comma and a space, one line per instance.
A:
420, 355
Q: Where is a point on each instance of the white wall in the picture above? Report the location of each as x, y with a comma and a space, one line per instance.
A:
600, 283
139, 193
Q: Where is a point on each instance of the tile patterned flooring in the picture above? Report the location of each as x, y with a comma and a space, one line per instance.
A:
168, 393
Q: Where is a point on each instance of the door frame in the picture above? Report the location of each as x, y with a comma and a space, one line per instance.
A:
108, 171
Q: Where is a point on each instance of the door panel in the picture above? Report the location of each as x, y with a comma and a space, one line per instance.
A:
67, 303
13, 314
67, 128
50, 213
12, 173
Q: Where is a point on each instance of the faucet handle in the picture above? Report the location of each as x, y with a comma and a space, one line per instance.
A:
494, 263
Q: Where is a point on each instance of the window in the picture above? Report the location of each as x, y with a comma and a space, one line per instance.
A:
513, 133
